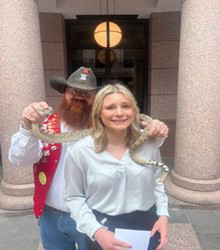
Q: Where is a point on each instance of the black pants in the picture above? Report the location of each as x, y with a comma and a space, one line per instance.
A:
137, 220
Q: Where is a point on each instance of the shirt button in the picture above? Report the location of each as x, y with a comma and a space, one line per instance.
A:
53, 148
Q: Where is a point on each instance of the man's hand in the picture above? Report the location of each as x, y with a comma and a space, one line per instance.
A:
161, 226
107, 241
157, 129
30, 114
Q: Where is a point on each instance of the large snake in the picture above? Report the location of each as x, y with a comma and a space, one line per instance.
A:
76, 135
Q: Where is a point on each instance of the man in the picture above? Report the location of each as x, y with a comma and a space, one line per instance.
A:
58, 230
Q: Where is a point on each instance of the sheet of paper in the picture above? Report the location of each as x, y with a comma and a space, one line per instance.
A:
137, 238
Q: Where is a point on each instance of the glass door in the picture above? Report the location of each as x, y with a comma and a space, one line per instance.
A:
128, 61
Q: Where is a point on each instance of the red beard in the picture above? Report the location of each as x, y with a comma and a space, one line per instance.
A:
76, 114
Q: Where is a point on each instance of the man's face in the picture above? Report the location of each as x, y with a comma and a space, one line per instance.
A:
72, 94
75, 107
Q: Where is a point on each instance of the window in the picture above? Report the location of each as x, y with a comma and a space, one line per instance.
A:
128, 61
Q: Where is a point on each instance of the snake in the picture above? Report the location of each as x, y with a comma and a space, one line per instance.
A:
76, 135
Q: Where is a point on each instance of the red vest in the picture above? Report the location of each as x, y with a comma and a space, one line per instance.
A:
44, 170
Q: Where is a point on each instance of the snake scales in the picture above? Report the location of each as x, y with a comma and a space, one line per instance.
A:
76, 135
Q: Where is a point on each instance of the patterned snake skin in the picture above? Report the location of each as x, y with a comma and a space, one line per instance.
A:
76, 135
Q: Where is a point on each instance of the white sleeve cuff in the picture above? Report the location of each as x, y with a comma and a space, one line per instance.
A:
92, 228
163, 212
24, 131
160, 140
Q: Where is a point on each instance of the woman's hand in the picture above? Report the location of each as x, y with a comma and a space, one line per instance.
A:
107, 241
161, 226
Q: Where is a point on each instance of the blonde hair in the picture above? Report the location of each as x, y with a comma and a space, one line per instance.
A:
98, 127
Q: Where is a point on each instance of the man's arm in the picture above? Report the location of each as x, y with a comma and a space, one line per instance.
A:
157, 129
25, 149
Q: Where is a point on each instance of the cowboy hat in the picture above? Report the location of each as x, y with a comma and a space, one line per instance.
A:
83, 78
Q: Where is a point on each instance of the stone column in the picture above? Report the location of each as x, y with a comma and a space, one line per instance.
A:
196, 174
22, 82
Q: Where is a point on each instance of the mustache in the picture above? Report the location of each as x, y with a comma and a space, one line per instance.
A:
75, 101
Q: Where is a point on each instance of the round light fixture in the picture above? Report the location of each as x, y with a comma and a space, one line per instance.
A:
102, 57
115, 34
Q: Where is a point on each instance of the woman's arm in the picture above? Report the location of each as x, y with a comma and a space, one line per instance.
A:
161, 197
75, 178
161, 225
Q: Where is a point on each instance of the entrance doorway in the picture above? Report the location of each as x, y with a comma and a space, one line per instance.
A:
128, 61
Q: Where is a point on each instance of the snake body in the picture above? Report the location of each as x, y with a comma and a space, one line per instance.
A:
76, 135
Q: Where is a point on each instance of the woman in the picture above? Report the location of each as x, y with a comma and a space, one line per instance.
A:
109, 190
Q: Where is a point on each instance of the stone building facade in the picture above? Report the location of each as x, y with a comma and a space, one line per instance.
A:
184, 91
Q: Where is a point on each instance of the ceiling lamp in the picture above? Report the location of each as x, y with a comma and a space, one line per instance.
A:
115, 34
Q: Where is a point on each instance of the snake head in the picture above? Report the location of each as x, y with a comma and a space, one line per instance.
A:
45, 112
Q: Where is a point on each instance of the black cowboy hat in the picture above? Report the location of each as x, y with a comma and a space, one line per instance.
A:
83, 78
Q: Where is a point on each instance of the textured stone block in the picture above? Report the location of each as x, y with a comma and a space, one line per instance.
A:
182, 237
178, 216
164, 54
163, 81
165, 26
51, 27
53, 101
209, 241
53, 56
204, 221
163, 106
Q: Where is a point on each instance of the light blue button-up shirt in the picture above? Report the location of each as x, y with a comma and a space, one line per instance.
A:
99, 181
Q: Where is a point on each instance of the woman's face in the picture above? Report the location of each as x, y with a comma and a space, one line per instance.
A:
116, 112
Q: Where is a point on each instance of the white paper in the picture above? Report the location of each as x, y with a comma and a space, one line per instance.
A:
137, 238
